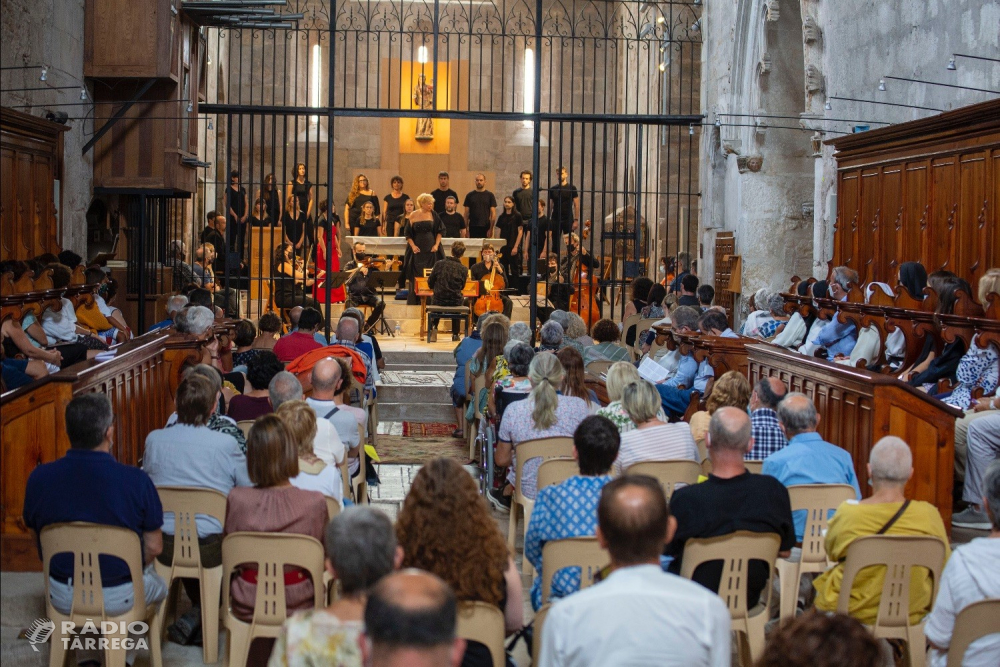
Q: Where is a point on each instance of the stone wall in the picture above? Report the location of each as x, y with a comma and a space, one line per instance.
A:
782, 58
48, 32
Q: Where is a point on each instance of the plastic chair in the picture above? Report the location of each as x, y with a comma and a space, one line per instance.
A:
345, 477
818, 500
641, 328
545, 449
582, 552
599, 367
669, 473
537, 625
332, 507
899, 554
244, 425
975, 621
359, 483
627, 324
86, 541
271, 552
754, 466
185, 502
478, 385
736, 550
484, 623
556, 471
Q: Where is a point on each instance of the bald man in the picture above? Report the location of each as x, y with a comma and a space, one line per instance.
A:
638, 609
326, 378
768, 437
732, 499
410, 620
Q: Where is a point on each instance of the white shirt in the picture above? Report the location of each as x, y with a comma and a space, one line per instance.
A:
345, 421
61, 325
328, 446
972, 574
327, 481
103, 306
638, 616
657, 443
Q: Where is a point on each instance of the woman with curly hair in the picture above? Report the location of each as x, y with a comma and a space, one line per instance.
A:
730, 391
821, 640
359, 195
445, 527
605, 348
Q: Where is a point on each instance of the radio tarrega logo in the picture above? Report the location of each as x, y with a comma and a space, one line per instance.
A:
39, 632
91, 635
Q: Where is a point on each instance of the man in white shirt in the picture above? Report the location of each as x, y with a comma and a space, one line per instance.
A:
639, 615
325, 379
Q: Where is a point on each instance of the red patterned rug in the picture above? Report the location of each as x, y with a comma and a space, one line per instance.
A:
431, 430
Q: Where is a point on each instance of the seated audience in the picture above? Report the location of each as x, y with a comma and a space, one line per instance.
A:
768, 436
821, 640
273, 505
732, 391
691, 375
268, 331
560, 317
294, 315
87, 484
759, 312
983, 440
932, 366
569, 509
366, 343
652, 439
972, 574
244, 337
605, 348
706, 295
119, 331
217, 421
619, 376
314, 473
410, 619
777, 319
714, 323
836, 337
487, 362
174, 304
639, 615
731, 499
520, 331
689, 289
543, 414
347, 335
463, 353
330, 380
515, 386
574, 383
38, 361
361, 549
291, 346
199, 322
61, 324
640, 296
284, 387
886, 512
807, 458
576, 332
445, 527
190, 453
550, 336
256, 401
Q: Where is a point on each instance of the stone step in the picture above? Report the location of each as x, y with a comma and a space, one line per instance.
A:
416, 412
416, 394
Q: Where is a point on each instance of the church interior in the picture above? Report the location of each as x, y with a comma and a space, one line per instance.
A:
750, 248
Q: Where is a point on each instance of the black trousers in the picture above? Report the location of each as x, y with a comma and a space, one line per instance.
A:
377, 305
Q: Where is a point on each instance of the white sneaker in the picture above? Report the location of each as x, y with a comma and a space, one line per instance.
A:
970, 517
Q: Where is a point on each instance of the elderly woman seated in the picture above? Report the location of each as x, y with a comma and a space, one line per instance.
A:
550, 337
605, 348
314, 473
887, 511
621, 374
652, 439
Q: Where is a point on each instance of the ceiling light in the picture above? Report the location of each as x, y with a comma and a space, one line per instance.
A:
190, 107
83, 93
881, 85
697, 3
209, 59
45, 74
951, 64
828, 106
663, 65
691, 130
422, 55
661, 19
718, 122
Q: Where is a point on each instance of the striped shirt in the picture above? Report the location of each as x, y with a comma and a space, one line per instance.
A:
656, 443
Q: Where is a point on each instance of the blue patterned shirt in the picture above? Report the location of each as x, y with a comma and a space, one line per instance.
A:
562, 510
768, 328
767, 434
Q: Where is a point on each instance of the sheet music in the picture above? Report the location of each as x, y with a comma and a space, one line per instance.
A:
652, 371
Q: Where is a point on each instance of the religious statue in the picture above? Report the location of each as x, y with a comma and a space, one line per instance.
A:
423, 98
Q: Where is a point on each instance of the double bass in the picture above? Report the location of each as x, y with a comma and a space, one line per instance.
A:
492, 284
585, 286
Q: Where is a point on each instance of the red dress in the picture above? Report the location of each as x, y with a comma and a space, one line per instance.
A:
319, 288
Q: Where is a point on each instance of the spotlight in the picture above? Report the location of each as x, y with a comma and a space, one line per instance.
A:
663, 65
661, 19
697, 3
208, 60
210, 125
190, 107
718, 122
828, 106
696, 26
881, 85
83, 93
951, 64
691, 130
45, 74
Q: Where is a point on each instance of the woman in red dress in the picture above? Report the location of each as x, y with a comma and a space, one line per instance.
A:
327, 240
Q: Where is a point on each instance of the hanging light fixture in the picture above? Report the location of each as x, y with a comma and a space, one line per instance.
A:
718, 122
828, 106
697, 3
211, 126
951, 64
190, 107
696, 26
691, 130
83, 93
45, 74
881, 85
664, 64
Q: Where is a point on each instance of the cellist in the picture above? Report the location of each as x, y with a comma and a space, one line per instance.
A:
488, 272
577, 270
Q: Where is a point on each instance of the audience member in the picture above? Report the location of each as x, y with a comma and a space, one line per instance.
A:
886, 512
329, 380
574, 383
463, 353
256, 401
620, 375
543, 414
691, 375
347, 336
733, 391
706, 295
732, 499
640, 296
713, 322
295, 315
174, 304
361, 549
652, 439
520, 331
758, 312
284, 387
268, 331
605, 348
273, 505
776, 320
807, 458
569, 509
489, 363
302, 340
87, 484
821, 640
688, 295
550, 336
639, 615
244, 337
410, 620
837, 337
314, 473
576, 332
972, 574
445, 527
515, 386
768, 436
191, 454
983, 439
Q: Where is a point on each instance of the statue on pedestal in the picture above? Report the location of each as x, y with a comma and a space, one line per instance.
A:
423, 98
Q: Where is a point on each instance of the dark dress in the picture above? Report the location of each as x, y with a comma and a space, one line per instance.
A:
423, 234
509, 224
289, 292
354, 212
296, 228
367, 227
301, 190
272, 204
394, 208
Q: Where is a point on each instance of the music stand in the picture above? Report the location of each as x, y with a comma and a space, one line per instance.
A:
382, 280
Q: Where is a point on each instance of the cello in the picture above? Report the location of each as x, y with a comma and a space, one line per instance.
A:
582, 300
491, 301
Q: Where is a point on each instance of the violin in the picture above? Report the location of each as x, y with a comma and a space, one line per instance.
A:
491, 301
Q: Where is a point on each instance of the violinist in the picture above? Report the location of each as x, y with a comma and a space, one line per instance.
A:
489, 273
359, 290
